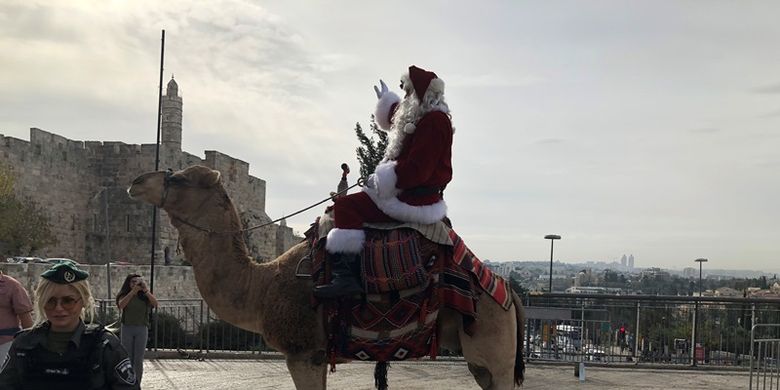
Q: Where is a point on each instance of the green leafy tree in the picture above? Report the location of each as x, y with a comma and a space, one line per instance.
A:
516, 285
6, 182
24, 225
372, 147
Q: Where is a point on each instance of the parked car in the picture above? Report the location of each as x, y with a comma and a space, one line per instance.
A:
25, 259
53, 260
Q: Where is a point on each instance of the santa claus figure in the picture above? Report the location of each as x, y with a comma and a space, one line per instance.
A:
408, 184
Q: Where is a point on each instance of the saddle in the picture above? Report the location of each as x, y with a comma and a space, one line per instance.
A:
408, 273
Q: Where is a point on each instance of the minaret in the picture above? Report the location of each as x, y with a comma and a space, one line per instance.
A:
171, 116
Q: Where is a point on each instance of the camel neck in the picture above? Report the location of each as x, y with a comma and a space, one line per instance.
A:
225, 274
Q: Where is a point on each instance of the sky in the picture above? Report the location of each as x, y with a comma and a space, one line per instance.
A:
648, 128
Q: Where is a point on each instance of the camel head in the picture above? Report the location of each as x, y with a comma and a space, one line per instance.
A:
181, 193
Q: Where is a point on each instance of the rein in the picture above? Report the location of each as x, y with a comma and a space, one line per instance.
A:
166, 183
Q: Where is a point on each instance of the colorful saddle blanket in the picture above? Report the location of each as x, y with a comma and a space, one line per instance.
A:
407, 279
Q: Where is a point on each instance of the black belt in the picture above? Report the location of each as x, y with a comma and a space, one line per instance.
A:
422, 191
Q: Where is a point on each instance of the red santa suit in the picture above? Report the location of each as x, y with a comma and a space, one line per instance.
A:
408, 185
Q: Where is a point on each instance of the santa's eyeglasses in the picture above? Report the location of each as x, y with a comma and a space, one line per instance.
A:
67, 303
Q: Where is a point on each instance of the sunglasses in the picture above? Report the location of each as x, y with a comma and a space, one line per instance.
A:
67, 303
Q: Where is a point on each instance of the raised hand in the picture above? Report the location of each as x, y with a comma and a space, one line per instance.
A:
381, 92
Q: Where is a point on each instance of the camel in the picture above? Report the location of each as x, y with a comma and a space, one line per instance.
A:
268, 298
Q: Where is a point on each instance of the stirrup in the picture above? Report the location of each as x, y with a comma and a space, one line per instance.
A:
303, 269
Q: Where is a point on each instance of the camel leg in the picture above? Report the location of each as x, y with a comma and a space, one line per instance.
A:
490, 352
308, 373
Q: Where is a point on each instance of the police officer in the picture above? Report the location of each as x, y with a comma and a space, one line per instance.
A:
60, 351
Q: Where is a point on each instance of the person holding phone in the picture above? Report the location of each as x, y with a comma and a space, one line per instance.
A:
135, 301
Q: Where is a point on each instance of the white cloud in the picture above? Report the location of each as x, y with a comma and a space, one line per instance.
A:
647, 128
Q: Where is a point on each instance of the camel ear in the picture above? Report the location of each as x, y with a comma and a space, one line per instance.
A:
210, 179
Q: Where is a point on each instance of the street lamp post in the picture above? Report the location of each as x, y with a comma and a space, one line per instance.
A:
696, 314
552, 238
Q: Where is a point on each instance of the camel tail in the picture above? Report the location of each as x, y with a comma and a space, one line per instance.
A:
380, 375
519, 362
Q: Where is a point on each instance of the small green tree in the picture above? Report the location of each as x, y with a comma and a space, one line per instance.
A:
6, 182
516, 285
371, 150
24, 225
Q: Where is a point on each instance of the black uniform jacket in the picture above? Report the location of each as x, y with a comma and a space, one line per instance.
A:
94, 359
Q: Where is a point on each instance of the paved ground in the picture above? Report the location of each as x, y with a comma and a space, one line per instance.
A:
272, 374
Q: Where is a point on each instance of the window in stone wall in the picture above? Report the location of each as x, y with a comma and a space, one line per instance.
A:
127, 222
94, 222
64, 156
38, 149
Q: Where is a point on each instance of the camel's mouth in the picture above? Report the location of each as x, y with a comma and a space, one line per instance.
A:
136, 193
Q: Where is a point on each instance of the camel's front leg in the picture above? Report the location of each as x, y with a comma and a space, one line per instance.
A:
308, 371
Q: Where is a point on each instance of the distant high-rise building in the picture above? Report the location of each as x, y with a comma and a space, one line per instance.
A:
623, 261
631, 262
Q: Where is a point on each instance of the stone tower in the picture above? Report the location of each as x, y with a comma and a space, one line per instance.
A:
170, 136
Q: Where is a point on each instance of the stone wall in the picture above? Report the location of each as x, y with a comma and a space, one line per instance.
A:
50, 169
171, 282
82, 186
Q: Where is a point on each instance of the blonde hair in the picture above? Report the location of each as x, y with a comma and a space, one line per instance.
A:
44, 290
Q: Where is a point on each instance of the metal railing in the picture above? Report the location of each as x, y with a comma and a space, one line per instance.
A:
645, 329
559, 327
187, 326
764, 357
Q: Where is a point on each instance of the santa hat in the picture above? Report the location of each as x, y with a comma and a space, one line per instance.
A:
424, 81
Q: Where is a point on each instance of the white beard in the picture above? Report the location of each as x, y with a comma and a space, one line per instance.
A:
404, 120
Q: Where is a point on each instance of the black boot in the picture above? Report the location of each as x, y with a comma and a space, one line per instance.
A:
343, 281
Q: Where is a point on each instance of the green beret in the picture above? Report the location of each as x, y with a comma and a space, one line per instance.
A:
65, 272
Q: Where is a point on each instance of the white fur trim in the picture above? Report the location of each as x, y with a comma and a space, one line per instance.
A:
345, 240
406, 81
404, 212
383, 106
385, 179
436, 87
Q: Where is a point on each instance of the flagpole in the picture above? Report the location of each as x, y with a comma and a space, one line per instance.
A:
157, 159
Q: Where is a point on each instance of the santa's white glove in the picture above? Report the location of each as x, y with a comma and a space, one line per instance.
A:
370, 181
381, 92
370, 185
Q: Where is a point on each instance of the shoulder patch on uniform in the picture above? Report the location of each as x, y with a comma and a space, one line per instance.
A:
5, 362
124, 370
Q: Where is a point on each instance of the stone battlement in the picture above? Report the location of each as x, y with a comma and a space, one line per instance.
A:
82, 186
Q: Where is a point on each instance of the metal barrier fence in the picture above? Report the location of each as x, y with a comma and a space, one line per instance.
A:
764, 357
188, 325
645, 329
559, 327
